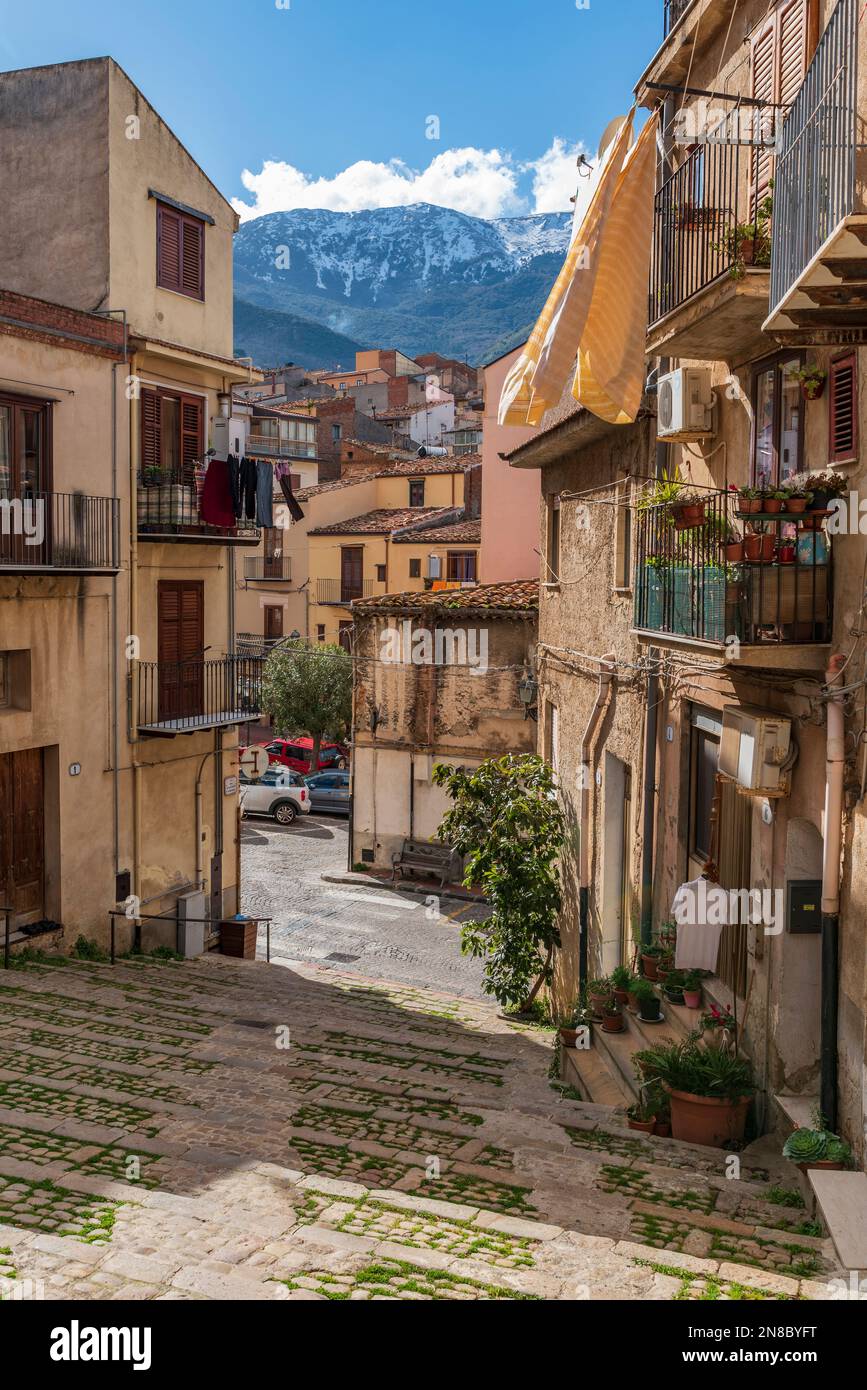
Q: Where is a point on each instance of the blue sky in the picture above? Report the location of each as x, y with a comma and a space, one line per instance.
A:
318, 100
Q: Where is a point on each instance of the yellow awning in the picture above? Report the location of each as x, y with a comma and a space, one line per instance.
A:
597, 309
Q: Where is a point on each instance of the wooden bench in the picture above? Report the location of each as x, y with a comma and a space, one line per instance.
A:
428, 857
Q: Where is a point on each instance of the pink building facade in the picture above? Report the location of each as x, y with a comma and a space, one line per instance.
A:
510, 509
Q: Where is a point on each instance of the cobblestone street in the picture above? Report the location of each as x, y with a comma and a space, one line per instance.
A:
383, 935
221, 1129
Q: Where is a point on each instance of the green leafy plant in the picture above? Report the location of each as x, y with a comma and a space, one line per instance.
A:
620, 976
642, 990
506, 820
85, 949
309, 688
811, 375
663, 491
806, 1146
699, 1071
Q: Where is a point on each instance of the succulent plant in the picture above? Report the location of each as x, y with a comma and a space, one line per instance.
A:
806, 1146
837, 1150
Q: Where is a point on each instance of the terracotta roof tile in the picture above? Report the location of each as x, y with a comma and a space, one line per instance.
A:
468, 531
515, 596
380, 522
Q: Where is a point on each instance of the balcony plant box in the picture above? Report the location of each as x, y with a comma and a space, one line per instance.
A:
238, 937
167, 504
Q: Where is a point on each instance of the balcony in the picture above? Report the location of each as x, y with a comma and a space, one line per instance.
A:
265, 446
819, 260
58, 533
333, 591
168, 510
183, 697
273, 569
710, 265
753, 589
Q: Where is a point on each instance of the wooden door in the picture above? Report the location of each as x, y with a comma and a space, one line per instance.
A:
22, 838
272, 567
273, 622
25, 533
180, 647
351, 572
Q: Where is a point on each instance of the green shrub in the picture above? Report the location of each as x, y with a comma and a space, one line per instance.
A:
701, 1071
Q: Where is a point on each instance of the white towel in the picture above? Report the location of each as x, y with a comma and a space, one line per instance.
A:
701, 910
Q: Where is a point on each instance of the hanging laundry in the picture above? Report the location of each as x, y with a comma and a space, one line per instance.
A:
265, 493
247, 480
701, 910
216, 501
234, 466
283, 475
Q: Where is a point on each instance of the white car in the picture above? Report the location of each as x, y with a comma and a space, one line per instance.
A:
279, 793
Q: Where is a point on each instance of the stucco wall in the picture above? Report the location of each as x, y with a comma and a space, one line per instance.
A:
511, 495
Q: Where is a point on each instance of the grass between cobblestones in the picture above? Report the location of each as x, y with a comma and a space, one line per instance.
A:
708, 1287
48, 1207
399, 1279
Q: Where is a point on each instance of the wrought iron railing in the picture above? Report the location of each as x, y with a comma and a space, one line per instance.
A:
814, 188
182, 696
265, 567
718, 576
674, 12
62, 531
336, 591
169, 508
709, 220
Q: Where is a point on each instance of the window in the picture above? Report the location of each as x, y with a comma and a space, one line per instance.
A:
5, 694
415, 569
320, 632
843, 410
180, 252
336, 433
380, 574
461, 565
778, 431
360, 381
172, 436
705, 737
344, 634
552, 574
24, 446
416, 494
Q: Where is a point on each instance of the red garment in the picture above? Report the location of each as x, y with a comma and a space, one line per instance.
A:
216, 503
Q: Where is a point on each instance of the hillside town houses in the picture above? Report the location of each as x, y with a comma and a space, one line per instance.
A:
631, 544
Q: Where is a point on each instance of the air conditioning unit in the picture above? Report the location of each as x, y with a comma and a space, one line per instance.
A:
684, 406
755, 750
434, 567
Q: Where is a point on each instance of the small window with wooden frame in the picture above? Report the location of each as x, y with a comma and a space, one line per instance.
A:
180, 252
172, 436
843, 409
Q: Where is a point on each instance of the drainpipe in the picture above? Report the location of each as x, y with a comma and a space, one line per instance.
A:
133, 672
607, 664
835, 759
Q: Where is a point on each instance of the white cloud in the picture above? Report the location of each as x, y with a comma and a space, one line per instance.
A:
555, 176
485, 183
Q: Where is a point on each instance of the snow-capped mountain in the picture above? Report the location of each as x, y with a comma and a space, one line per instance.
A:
420, 277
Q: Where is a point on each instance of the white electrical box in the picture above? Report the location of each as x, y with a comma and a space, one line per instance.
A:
434, 567
230, 436
754, 750
684, 406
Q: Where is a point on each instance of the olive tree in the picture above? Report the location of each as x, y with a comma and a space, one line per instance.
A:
309, 688
506, 820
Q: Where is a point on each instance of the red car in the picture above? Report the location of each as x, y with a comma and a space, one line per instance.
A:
297, 753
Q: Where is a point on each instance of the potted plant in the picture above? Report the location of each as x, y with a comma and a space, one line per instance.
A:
750, 499
662, 1122
733, 550
825, 487
673, 986
612, 1017
691, 989
798, 501
710, 1089
621, 980
775, 501
786, 552
816, 1148
641, 1116
717, 1027
599, 993
650, 960
648, 1001
812, 378
572, 1024
690, 508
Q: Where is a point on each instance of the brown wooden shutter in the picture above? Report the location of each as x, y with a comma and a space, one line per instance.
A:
151, 430
779, 65
843, 409
168, 248
792, 50
192, 258
763, 89
180, 642
192, 435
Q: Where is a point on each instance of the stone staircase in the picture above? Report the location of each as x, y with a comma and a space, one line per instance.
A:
605, 1073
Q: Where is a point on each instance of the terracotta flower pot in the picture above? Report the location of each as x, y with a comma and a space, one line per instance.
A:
644, 1126
597, 1004
692, 998
662, 1129
812, 521
796, 505
820, 1163
612, 1023
622, 996
704, 1120
632, 1003
753, 548
786, 555
650, 965
769, 545
693, 513
750, 505
772, 505
734, 552
568, 1036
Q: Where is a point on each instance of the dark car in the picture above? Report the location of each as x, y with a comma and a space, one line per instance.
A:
329, 791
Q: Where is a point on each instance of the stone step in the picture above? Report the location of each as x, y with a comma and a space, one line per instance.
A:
842, 1200
593, 1078
615, 1051
682, 1021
